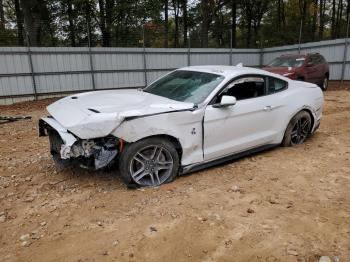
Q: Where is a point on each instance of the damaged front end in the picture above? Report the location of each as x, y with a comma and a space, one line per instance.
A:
67, 149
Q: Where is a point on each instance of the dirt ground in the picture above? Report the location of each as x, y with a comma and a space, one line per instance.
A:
286, 204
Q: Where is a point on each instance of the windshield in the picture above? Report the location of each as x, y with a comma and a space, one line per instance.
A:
185, 86
287, 62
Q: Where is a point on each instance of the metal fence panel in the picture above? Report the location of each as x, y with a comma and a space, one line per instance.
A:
154, 75
119, 80
335, 72
74, 69
14, 86
105, 61
246, 59
14, 63
160, 61
63, 83
60, 62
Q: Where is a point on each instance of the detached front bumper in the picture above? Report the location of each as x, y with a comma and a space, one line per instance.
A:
67, 149
47, 126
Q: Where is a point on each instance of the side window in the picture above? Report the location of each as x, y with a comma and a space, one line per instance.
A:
311, 60
320, 59
276, 85
315, 59
245, 88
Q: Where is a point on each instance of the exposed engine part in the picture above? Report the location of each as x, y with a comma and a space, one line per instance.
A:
100, 151
96, 153
105, 155
84, 148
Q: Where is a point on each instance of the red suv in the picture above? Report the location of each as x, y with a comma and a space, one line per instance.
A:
310, 68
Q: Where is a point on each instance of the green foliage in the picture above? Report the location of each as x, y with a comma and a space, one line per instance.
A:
260, 23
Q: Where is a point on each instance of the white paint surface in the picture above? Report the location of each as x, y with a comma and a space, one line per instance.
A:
133, 115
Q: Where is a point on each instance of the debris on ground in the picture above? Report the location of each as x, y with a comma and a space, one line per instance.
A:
5, 119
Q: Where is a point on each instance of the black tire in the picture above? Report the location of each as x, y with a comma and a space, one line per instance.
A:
298, 129
324, 84
154, 172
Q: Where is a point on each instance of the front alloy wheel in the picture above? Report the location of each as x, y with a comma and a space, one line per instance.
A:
151, 166
149, 162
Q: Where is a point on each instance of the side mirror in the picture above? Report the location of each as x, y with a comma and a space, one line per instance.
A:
226, 101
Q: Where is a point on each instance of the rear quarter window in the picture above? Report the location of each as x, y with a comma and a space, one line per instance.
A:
276, 85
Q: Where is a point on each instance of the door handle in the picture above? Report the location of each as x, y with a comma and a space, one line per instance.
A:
268, 108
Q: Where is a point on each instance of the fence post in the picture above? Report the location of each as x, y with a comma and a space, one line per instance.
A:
189, 49
261, 58
231, 39
300, 32
29, 51
90, 58
345, 54
144, 56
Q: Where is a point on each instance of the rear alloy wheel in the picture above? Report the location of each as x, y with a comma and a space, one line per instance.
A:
150, 162
298, 129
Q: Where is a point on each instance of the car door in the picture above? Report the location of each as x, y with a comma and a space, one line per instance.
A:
312, 69
249, 123
320, 69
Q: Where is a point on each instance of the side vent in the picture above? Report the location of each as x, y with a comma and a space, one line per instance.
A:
94, 110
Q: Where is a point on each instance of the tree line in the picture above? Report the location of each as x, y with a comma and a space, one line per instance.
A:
170, 23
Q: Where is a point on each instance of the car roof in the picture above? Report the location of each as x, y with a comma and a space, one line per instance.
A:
295, 55
226, 71
300, 55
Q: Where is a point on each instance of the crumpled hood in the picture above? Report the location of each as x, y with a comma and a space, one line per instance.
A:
97, 114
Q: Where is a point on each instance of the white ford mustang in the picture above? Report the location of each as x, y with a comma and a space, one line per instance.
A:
191, 118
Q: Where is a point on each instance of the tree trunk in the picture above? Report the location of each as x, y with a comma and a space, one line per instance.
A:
51, 32
101, 5
71, 24
109, 20
205, 23
2, 15
249, 32
283, 16
87, 11
233, 22
32, 19
176, 20
338, 19
321, 27
347, 17
333, 19
185, 25
279, 16
166, 24
314, 19
19, 21
303, 10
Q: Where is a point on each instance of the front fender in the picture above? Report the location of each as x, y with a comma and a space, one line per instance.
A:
185, 126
